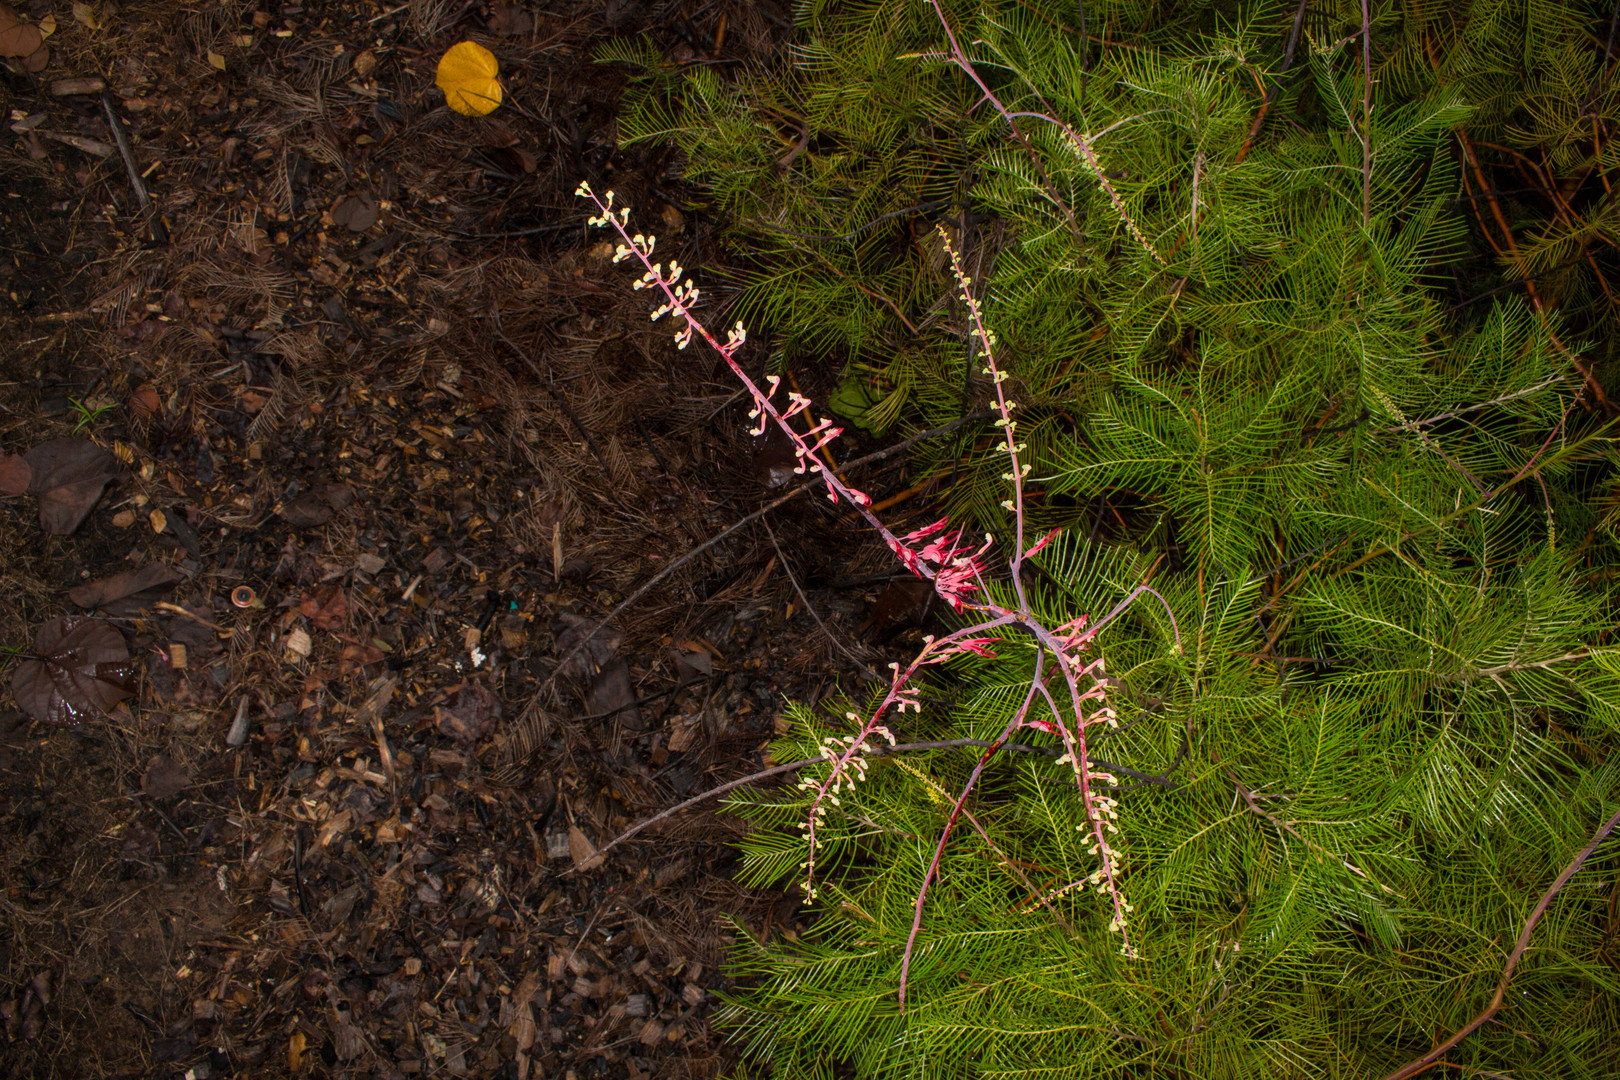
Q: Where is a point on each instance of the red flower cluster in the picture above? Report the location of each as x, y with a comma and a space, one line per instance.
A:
942, 561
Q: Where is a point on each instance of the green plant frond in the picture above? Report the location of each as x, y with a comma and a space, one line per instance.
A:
1354, 459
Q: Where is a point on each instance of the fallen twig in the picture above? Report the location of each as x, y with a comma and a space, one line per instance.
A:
676, 564
877, 750
866, 668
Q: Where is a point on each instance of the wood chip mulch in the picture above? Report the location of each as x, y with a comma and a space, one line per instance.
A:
384, 436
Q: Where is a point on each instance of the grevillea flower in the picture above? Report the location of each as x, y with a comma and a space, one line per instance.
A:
954, 575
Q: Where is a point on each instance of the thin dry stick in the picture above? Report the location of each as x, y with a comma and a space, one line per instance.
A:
878, 750
805, 600
1412, 1068
556, 395
676, 564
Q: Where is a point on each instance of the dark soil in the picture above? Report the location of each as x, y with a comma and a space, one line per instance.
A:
363, 369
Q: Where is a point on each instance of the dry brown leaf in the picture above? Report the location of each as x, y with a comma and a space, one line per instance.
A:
509, 20
357, 213
69, 476
581, 850
15, 474
470, 714
156, 578
327, 607
18, 38
165, 778
79, 668
315, 506
298, 643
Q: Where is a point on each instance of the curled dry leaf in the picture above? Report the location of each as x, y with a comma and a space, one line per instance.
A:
469, 714
315, 506
467, 75
129, 585
80, 667
327, 607
69, 476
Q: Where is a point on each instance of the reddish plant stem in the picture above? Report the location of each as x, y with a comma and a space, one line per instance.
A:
1417, 1065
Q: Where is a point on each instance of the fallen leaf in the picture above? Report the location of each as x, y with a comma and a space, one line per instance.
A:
15, 474
356, 657
165, 778
80, 666
315, 506
327, 607
509, 20
467, 75
157, 578
357, 213
216, 61
73, 87
598, 649
682, 730
18, 38
157, 519
612, 698
69, 476
693, 661
469, 714
85, 15
365, 63
581, 850
144, 402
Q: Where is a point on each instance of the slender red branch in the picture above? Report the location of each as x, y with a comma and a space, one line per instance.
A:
1417, 1065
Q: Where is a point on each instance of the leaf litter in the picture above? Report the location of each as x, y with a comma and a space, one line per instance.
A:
362, 842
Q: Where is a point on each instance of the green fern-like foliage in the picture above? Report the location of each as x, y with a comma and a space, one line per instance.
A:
1371, 472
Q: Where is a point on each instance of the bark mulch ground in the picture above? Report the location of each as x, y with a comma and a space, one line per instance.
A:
367, 436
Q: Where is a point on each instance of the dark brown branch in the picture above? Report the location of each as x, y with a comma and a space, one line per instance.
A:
1417, 1065
877, 750
1271, 95
676, 564
866, 669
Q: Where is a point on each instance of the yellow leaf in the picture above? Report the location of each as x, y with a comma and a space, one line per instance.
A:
158, 520
47, 25
85, 15
467, 77
216, 60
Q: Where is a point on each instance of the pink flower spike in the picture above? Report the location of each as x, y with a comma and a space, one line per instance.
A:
927, 530
977, 646
1047, 539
